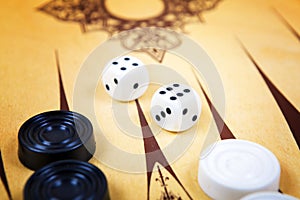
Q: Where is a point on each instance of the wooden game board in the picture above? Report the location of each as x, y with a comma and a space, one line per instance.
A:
254, 45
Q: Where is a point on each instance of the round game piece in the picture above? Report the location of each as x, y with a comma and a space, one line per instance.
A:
67, 179
267, 196
53, 136
233, 168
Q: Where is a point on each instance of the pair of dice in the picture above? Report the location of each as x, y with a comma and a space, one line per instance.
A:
174, 107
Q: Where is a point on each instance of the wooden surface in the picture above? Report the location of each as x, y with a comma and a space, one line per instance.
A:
267, 29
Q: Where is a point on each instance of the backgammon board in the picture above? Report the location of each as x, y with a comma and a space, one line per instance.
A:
53, 53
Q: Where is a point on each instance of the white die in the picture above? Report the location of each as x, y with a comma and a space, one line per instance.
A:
125, 78
176, 107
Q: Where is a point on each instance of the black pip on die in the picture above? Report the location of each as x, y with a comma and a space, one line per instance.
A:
176, 107
125, 78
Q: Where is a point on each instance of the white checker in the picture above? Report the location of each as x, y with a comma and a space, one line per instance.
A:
268, 196
234, 168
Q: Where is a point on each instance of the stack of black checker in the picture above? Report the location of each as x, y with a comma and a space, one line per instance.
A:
58, 144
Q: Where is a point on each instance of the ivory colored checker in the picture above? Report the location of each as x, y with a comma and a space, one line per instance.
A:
267, 196
233, 168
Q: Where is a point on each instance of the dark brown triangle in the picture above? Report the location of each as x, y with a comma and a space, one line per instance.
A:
63, 99
224, 131
153, 153
287, 24
3, 177
290, 113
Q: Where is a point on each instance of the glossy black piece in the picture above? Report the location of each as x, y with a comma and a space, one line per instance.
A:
67, 179
53, 136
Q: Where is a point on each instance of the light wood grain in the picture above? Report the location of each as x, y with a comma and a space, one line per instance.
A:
29, 85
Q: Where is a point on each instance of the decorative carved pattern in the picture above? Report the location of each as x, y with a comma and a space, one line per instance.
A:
94, 15
166, 194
